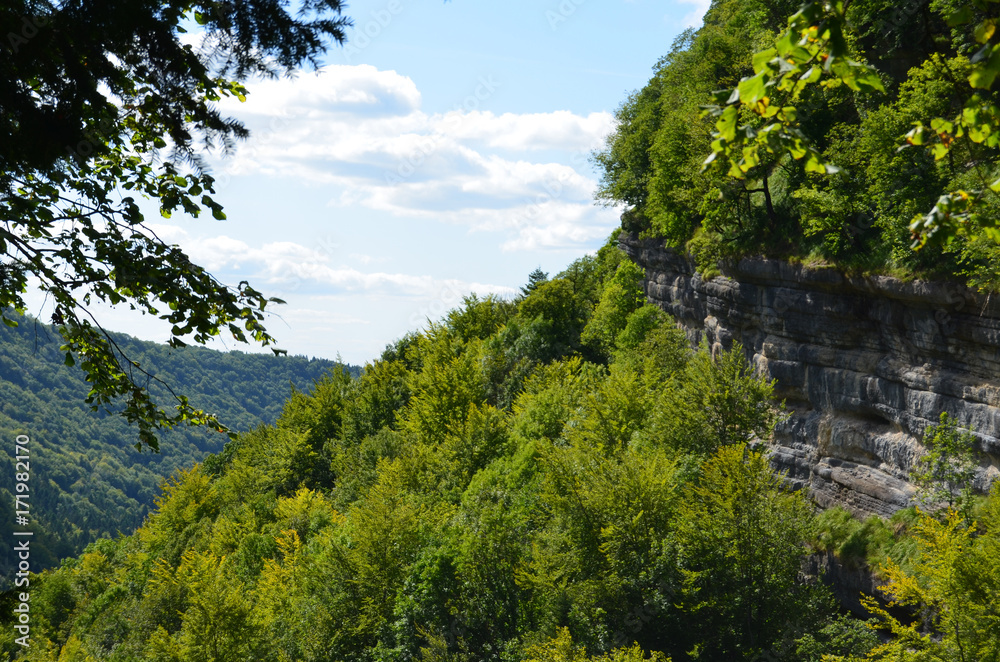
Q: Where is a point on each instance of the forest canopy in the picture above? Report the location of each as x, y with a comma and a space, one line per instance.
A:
850, 133
549, 473
526, 480
96, 484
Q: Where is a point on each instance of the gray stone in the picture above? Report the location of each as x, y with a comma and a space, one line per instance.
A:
864, 364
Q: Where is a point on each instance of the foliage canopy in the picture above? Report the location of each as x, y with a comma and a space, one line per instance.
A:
103, 102
850, 132
482, 492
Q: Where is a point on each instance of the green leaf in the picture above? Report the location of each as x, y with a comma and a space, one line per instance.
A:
796, 148
723, 98
981, 54
727, 124
942, 125
812, 75
761, 59
960, 17
838, 44
752, 89
785, 43
985, 74
814, 164
915, 136
69, 360
985, 30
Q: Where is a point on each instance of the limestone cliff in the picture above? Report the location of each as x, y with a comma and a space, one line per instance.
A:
864, 364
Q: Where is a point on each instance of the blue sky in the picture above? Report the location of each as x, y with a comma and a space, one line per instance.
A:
443, 150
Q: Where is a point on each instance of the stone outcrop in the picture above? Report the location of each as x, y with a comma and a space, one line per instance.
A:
864, 364
848, 583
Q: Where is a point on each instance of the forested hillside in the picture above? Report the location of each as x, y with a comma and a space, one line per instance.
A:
911, 162
88, 479
562, 477
557, 478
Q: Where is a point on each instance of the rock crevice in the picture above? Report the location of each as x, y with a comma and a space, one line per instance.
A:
864, 364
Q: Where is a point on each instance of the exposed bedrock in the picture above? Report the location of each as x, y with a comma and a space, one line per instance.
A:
864, 364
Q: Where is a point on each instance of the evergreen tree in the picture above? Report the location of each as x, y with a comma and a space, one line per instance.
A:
535, 278
91, 94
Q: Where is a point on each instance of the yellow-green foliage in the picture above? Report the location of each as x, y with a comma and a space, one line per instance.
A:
562, 649
870, 542
955, 579
621, 297
735, 147
466, 499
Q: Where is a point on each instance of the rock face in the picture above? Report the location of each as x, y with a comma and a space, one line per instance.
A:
864, 364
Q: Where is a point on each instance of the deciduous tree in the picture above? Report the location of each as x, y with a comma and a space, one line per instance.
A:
104, 103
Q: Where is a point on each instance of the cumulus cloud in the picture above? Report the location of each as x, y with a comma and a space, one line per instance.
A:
285, 266
693, 18
332, 90
361, 133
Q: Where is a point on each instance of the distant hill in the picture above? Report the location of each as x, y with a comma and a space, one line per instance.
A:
87, 479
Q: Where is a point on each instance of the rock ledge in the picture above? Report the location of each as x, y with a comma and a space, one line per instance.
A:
864, 364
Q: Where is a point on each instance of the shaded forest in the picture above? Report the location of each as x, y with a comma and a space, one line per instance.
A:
88, 481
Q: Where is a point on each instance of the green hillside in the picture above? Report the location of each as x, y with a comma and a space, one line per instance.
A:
562, 477
87, 479
546, 479
916, 160
559, 478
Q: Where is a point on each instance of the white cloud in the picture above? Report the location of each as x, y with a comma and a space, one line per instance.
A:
365, 259
286, 267
361, 133
535, 131
693, 19
335, 89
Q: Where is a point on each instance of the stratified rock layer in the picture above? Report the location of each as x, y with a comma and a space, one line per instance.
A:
864, 364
